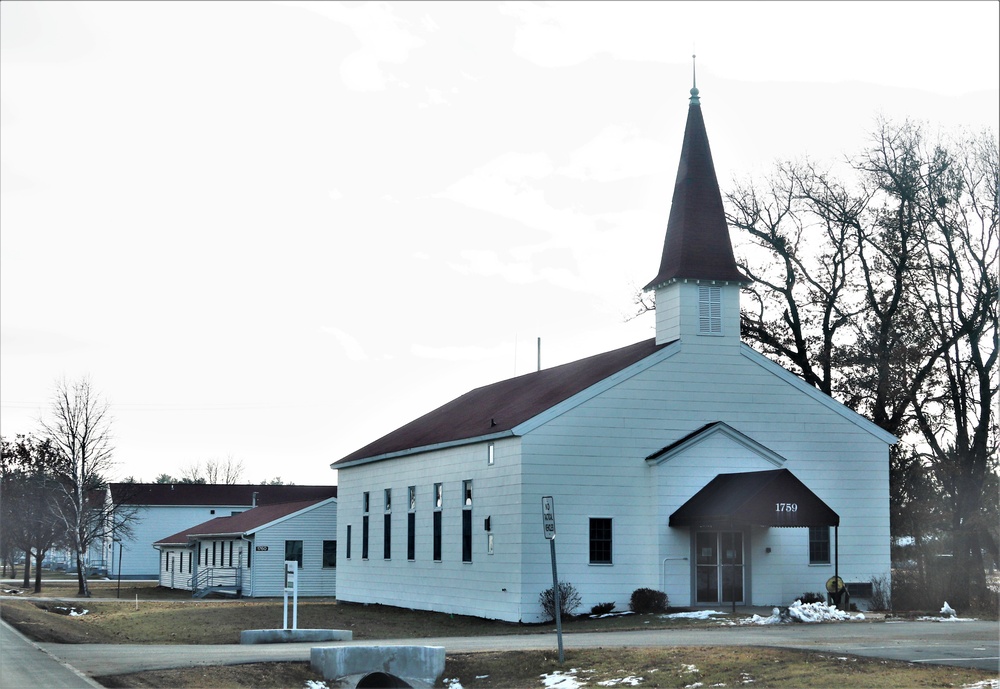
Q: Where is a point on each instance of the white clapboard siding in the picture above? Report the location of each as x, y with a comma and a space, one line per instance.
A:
312, 526
589, 453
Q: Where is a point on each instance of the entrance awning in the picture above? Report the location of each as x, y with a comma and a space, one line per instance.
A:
758, 498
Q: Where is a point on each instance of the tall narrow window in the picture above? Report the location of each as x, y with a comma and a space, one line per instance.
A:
214, 544
364, 526
490, 454
819, 545
411, 524
293, 551
600, 541
230, 553
438, 505
387, 526
709, 310
466, 521
364, 537
348, 548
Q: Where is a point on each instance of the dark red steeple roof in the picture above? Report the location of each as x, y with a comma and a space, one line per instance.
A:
697, 245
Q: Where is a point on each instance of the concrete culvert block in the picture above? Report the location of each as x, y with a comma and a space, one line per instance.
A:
415, 665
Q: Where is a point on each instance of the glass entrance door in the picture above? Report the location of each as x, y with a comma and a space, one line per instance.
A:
719, 566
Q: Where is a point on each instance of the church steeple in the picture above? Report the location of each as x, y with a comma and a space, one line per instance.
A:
697, 249
697, 244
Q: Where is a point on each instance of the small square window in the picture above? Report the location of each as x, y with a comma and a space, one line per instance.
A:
388, 499
467, 493
365, 503
412, 495
438, 496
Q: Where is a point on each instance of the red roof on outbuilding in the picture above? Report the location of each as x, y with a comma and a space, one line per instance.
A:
237, 524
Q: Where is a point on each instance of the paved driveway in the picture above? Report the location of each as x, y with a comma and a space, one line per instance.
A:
966, 644
24, 664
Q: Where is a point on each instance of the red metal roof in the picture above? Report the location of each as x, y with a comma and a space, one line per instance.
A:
697, 244
238, 524
500, 407
214, 493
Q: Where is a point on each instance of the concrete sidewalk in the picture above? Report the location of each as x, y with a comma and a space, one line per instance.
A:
24, 664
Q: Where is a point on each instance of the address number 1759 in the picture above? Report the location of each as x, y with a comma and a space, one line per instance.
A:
786, 507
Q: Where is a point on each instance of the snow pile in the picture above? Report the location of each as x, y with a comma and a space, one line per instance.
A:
804, 612
313, 684
13, 592
611, 614
948, 614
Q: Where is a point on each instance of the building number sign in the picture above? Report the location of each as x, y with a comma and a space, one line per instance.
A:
786, 507
261, 549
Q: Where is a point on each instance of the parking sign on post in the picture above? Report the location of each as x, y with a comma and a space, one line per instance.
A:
549, 518
549, 529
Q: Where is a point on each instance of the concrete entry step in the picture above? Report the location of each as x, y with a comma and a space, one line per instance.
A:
415, 666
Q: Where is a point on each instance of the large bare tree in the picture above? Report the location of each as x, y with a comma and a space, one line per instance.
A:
79, 428
882, 292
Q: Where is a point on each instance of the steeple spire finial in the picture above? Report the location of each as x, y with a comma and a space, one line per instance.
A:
694, 83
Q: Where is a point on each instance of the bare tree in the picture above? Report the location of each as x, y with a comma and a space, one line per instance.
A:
883, 294
79, 428
227, 471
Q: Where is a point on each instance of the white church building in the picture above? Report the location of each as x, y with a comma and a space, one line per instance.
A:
687, 463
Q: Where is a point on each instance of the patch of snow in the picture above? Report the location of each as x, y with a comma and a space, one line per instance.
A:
931, 618
688, 669
562, 680
13, 592
482, 676
948, 610
693, 686
985, 684
612, 614
694, 615
631, 681
452, 683
804, 612
313, 684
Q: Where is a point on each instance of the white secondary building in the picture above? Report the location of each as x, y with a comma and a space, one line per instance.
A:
244, 554
687, 463
161, 508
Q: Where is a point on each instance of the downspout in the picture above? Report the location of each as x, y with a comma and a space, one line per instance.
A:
836, 563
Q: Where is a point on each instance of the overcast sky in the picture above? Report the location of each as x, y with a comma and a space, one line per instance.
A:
277, 231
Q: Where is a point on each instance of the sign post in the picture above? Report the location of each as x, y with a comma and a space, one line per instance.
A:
292, 586
549, 530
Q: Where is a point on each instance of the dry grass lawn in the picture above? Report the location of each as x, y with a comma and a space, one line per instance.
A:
146, 614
